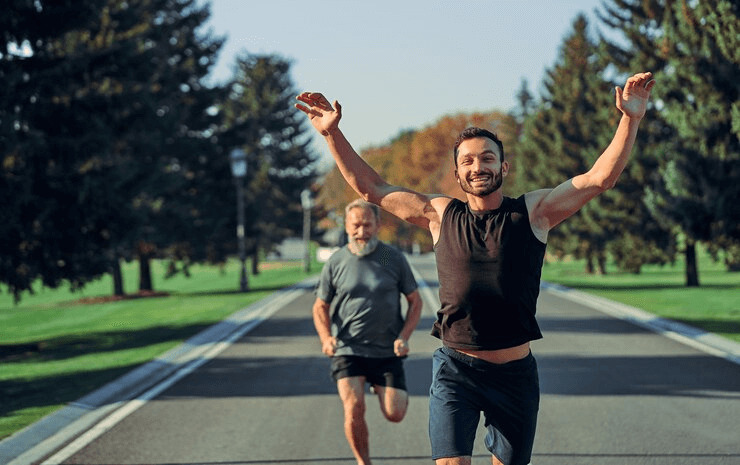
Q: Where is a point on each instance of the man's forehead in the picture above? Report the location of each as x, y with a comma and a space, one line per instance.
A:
478, 146
359, 213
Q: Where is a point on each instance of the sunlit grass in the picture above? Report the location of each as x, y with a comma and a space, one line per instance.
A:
55, 348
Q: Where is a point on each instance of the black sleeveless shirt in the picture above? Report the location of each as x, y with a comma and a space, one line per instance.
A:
489, 266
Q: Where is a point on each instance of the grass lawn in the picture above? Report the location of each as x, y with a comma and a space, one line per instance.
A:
54, 348
714, 306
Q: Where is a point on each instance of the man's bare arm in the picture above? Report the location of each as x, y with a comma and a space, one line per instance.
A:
413, 315
549, 207
404, 203
322, 323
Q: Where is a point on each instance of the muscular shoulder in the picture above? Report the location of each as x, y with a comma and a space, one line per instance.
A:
537, 222
437, 206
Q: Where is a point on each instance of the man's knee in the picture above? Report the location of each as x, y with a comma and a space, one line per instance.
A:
394, 403
395, 415
354, 407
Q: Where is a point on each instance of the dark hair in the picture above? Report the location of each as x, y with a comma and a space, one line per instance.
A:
472, 133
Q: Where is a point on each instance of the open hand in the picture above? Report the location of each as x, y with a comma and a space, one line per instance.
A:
633, 100
324, 117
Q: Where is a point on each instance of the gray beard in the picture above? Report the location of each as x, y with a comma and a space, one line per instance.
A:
363, 250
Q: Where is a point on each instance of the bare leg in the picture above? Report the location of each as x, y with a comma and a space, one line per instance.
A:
454, 461
393, 402
351, 391
463, 461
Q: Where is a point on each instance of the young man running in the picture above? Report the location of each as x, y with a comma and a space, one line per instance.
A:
489, 256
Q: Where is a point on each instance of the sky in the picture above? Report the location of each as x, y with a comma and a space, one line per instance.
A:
402, 64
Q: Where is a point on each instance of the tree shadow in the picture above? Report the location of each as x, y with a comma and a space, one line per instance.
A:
690, 376
45, 391
588, 325
715, 325
230, 291
70, 346
281, 377
645, 287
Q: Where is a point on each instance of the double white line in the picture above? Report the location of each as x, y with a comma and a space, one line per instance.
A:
199, 353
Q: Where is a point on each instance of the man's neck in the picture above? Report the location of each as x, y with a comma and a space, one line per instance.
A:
491, 201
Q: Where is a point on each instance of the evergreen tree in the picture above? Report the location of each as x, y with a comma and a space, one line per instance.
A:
60, 207
107, 95
169, 136
574, 125
565, 137
693, 49
260, 119
526, 103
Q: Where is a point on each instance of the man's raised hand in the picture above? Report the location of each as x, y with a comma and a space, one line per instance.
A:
323, 116
633, 100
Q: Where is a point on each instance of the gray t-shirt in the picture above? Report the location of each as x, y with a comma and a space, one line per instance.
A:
365, 297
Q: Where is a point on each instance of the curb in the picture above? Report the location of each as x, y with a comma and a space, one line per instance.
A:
40, 439
697, 338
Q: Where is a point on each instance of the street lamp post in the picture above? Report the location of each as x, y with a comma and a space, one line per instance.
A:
239, 170
306, 203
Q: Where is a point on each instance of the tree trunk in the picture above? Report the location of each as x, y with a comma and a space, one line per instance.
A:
117, 277
601, 259
255, 264
145, 273
692, 272
589, 264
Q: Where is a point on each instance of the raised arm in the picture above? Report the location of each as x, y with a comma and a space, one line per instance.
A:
406, 204
549, 207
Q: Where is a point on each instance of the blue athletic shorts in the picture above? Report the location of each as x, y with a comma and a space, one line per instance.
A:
379, 371
507, 394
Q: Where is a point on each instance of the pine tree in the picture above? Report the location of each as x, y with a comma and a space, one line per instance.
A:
565, 137
260, 119
572, 127
105, 103
59, 207
168, 132
692, 48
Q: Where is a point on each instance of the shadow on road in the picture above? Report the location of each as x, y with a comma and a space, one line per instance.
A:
592, 325
654, 375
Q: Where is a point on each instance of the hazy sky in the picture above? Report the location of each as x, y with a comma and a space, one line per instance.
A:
402, 64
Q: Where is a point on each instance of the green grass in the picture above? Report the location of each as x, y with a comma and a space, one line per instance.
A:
714, 306
55, 349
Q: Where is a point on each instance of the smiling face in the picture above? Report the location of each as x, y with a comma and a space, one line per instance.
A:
480, 171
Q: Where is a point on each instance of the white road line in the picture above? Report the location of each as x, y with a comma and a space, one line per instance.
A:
195, 359
688, 335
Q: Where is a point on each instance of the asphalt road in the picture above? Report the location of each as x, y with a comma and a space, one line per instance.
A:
612, 393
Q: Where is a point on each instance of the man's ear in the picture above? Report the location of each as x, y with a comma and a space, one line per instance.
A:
504, 168
457, 177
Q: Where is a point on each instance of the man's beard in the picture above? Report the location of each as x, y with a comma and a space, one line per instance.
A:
492, 186
363, 249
